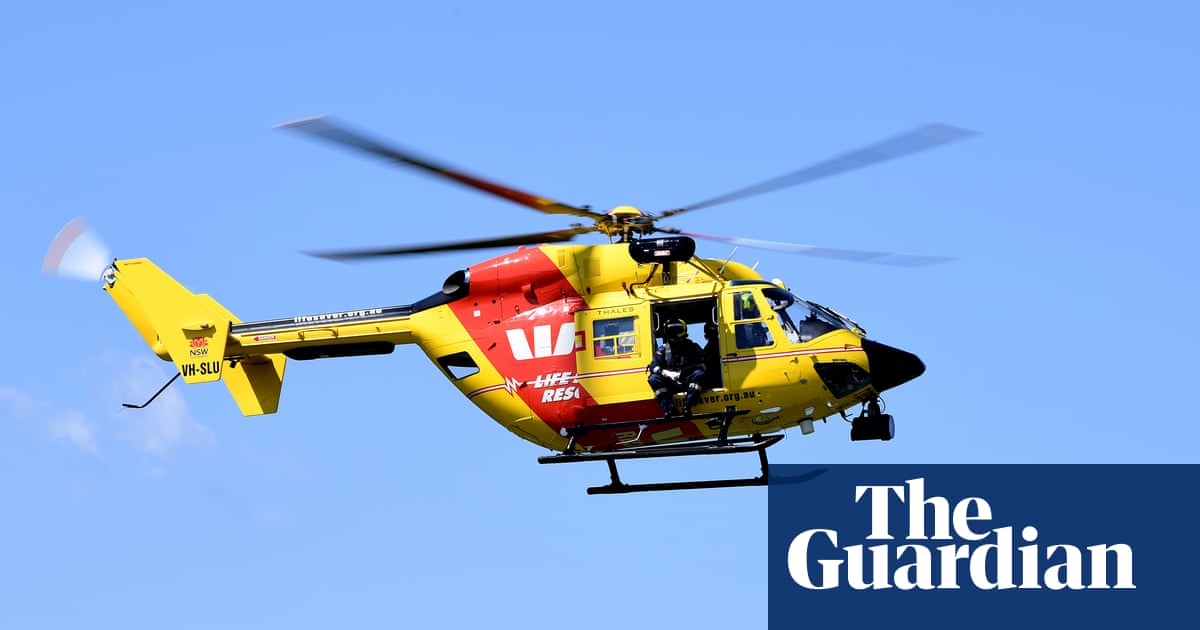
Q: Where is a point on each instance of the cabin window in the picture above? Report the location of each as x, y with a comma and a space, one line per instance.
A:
615, 338
459, 365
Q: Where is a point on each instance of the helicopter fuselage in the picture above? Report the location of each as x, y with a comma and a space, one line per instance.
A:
552, 338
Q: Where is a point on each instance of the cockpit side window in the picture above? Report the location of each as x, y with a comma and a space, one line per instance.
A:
744, 306
749, 331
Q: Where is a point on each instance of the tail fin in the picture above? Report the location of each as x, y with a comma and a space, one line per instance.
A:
192, 331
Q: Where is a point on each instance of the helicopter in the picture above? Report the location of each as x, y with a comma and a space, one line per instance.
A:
552, 340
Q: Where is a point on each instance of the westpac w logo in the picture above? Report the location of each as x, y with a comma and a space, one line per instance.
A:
563, 344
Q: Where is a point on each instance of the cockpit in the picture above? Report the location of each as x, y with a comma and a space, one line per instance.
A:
801, 320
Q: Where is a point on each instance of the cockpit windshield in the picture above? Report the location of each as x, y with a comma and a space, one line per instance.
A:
803, 321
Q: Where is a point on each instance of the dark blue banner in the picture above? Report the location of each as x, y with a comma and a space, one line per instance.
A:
982, 546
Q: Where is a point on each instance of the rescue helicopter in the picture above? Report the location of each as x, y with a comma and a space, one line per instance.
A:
553, 340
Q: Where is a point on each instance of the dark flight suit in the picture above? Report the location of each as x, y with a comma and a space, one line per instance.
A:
686, 358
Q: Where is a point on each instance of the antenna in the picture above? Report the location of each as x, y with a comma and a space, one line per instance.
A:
721, 271
147, 403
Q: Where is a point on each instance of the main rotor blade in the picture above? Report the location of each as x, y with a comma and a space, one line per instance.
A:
553, 236
322, 127
919, 139
877, 258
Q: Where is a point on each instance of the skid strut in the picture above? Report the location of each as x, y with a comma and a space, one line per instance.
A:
721, 445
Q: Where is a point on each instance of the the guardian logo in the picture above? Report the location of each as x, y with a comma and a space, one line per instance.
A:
948, 546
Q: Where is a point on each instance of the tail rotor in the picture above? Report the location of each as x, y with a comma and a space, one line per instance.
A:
77, 253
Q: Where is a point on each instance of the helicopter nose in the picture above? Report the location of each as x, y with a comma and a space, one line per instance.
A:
890, 366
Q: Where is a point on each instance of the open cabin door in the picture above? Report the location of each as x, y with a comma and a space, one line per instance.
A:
702, 317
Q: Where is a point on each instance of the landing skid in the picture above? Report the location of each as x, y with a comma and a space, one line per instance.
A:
721, 445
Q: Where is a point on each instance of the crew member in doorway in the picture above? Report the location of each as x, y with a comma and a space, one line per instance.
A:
678, 366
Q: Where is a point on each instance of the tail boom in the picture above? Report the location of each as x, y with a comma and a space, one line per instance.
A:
346, 333
207, 343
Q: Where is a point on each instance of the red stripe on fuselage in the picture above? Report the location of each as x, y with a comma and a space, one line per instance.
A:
789, 353
521, 315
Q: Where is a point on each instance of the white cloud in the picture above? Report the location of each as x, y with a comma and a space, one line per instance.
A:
158, 430
48, 420
166, 424
74, 428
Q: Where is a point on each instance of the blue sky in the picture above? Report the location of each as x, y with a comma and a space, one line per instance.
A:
379, 497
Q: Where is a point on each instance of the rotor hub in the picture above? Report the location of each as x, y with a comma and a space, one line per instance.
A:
623, 212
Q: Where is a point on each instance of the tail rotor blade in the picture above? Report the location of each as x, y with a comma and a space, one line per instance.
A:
77, 252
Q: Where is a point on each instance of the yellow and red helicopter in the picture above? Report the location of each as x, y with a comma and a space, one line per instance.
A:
552, 341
